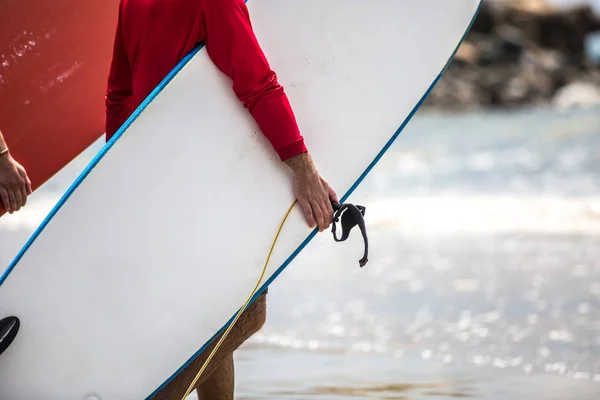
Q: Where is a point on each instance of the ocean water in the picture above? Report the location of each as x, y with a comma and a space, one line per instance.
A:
484, 272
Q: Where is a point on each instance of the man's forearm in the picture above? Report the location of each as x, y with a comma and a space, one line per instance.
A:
300, 163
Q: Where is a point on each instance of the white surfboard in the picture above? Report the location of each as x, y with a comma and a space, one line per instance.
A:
161, 239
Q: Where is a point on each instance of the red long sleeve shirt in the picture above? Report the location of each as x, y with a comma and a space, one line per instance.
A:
152, 36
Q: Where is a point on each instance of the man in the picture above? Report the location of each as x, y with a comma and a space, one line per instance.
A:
15, 185
152, 36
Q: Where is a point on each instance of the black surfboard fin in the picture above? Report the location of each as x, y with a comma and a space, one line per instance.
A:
9, 327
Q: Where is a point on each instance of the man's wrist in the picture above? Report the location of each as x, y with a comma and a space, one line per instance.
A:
292, 149
300, 162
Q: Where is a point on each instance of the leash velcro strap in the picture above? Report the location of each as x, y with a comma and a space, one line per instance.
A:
351, 216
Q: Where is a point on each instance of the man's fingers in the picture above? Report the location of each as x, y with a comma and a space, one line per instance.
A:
324, 206
24, 193
326, 215
12, 200
5, 199
333, 195
28, 185
18, 198
329, 208
315, 196
308, 214
318, 215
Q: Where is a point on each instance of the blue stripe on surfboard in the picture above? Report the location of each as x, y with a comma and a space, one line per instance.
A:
342, 199
134, 115
138, 112
97, 159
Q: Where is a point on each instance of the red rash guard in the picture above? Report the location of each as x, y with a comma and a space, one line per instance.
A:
154, 35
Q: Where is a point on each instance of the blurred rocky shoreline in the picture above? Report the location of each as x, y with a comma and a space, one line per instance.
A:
522, 53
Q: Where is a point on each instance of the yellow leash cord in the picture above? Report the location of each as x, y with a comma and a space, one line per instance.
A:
187, 393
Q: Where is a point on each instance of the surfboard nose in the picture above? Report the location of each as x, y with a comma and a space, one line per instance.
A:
9, 327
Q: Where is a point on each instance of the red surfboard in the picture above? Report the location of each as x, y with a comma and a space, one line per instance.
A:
54, 62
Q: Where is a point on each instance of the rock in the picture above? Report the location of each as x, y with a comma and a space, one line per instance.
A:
577, 94
521, 52
486, 20
532, 6
562, 30
467, 53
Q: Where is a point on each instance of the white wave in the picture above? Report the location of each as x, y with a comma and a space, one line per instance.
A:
485, 214
427, 215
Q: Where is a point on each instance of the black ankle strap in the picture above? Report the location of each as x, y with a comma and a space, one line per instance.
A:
351, 216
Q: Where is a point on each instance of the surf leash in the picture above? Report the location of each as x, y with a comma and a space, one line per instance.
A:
264, 270
350, 215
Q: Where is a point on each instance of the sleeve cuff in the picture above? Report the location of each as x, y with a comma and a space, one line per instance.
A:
292, 150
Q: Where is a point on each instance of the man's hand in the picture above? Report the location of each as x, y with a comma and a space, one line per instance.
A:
312, 191
15, 185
